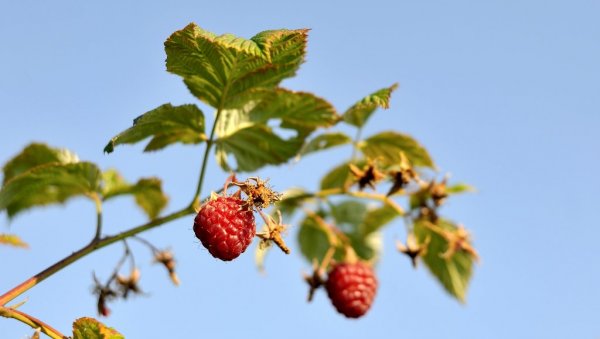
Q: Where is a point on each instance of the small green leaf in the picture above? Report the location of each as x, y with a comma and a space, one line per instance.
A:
166, 125
387, 147
367, 247
348, 214
313, 240
223, 70
460, 188
454, 273
291, 200
360, 112
147, 192
376, 218
339, 177
89, 328
48, 184
33, 155
12, 240
325, 141
254, 147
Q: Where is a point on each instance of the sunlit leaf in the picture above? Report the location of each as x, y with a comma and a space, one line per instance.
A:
222, 70
148, 192
33, 155
325, 141
386, 147
254, 147
12, 240
360, 112
89, 328
459, 188
48, 184
338, 177
166, 125
453, 273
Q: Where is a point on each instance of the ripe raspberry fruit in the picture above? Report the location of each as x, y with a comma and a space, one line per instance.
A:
351, 288
225, 226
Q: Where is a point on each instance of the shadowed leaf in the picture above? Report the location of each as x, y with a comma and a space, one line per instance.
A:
48, 184
33, 155
325, 141
453, 273
360, 112
147, 192
89, 328
166, 125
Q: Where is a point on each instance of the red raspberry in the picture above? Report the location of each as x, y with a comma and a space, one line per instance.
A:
352, 288
225, 226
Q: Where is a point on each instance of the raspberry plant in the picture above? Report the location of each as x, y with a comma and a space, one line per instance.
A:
390, 179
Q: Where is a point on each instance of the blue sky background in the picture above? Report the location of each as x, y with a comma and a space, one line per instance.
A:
503, 93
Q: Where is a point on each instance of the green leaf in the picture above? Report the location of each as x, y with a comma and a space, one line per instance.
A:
376, 218
360, 112
48, 184
166, 125
223, 70
387, 146
368, 247
148, 192
454, 273
348, 214
313, 240
339, 177
33, 155
12, 240
291, 200
325, 141
89, 328
460, 188
254, 147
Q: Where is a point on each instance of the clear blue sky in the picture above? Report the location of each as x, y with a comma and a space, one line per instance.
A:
503, 93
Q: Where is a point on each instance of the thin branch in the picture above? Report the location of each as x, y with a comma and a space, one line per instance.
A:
98, 203
32, 322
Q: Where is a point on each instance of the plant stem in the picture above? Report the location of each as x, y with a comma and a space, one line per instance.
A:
89, 248
31, 321
209, 143
360, 194
98, 203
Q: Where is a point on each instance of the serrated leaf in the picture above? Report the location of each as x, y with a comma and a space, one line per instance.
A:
376, 218
360, 112
33, 155
89, 328
12, 240
325, 141
148, 192
222, 70
166, 125
460, 188
386, 147
254, 147
454, 273
48, 184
